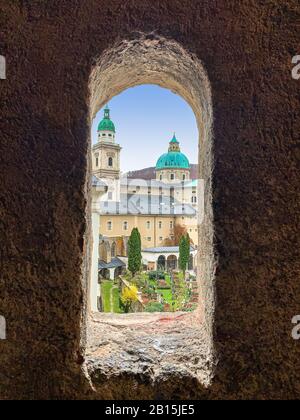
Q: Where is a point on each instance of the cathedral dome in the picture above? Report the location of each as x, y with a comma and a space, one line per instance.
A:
174, 159
106, 124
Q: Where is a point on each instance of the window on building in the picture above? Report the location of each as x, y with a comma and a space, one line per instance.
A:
148, 225
109, 225
172, 177
103, 135
149, 239
161, 238
110, 195
160, 225
125, 226
160, 177
171, 225
194, 199
110, 162
97, 162
183, 177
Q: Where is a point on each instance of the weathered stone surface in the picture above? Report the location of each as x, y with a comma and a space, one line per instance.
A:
150, 350
246, 48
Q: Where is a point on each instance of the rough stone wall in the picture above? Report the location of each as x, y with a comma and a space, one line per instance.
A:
246, 48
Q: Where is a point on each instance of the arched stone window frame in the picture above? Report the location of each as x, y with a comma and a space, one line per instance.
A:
156, 60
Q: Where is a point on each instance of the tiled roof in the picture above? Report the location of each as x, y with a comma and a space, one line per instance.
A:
115, 263
154, 183
165, 250
147, 205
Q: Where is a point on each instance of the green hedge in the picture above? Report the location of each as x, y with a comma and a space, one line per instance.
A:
153, 275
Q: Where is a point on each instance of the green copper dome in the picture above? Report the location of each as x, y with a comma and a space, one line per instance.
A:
106, 124
174, 159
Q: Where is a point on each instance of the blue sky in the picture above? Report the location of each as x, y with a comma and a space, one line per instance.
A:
146, 118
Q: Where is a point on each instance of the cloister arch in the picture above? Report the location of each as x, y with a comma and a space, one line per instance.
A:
161, 262
172, 262
150, 59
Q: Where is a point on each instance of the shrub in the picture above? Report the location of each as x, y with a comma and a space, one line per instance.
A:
127, 275
128, 297
153, 275
190, 309
154, 307
140, 280
162, 284
150, 291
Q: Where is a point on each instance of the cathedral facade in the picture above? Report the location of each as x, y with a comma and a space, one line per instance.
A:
162, 208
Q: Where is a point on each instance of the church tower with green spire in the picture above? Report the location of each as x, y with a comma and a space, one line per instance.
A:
106, 153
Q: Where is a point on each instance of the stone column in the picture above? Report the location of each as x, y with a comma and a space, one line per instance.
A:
112, 273
94, 287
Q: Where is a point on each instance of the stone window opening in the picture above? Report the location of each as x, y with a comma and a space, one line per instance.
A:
150, 59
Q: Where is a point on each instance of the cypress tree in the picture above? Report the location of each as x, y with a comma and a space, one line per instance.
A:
134, 252
184, 252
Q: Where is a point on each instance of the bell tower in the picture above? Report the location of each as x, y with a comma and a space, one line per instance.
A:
106, 153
